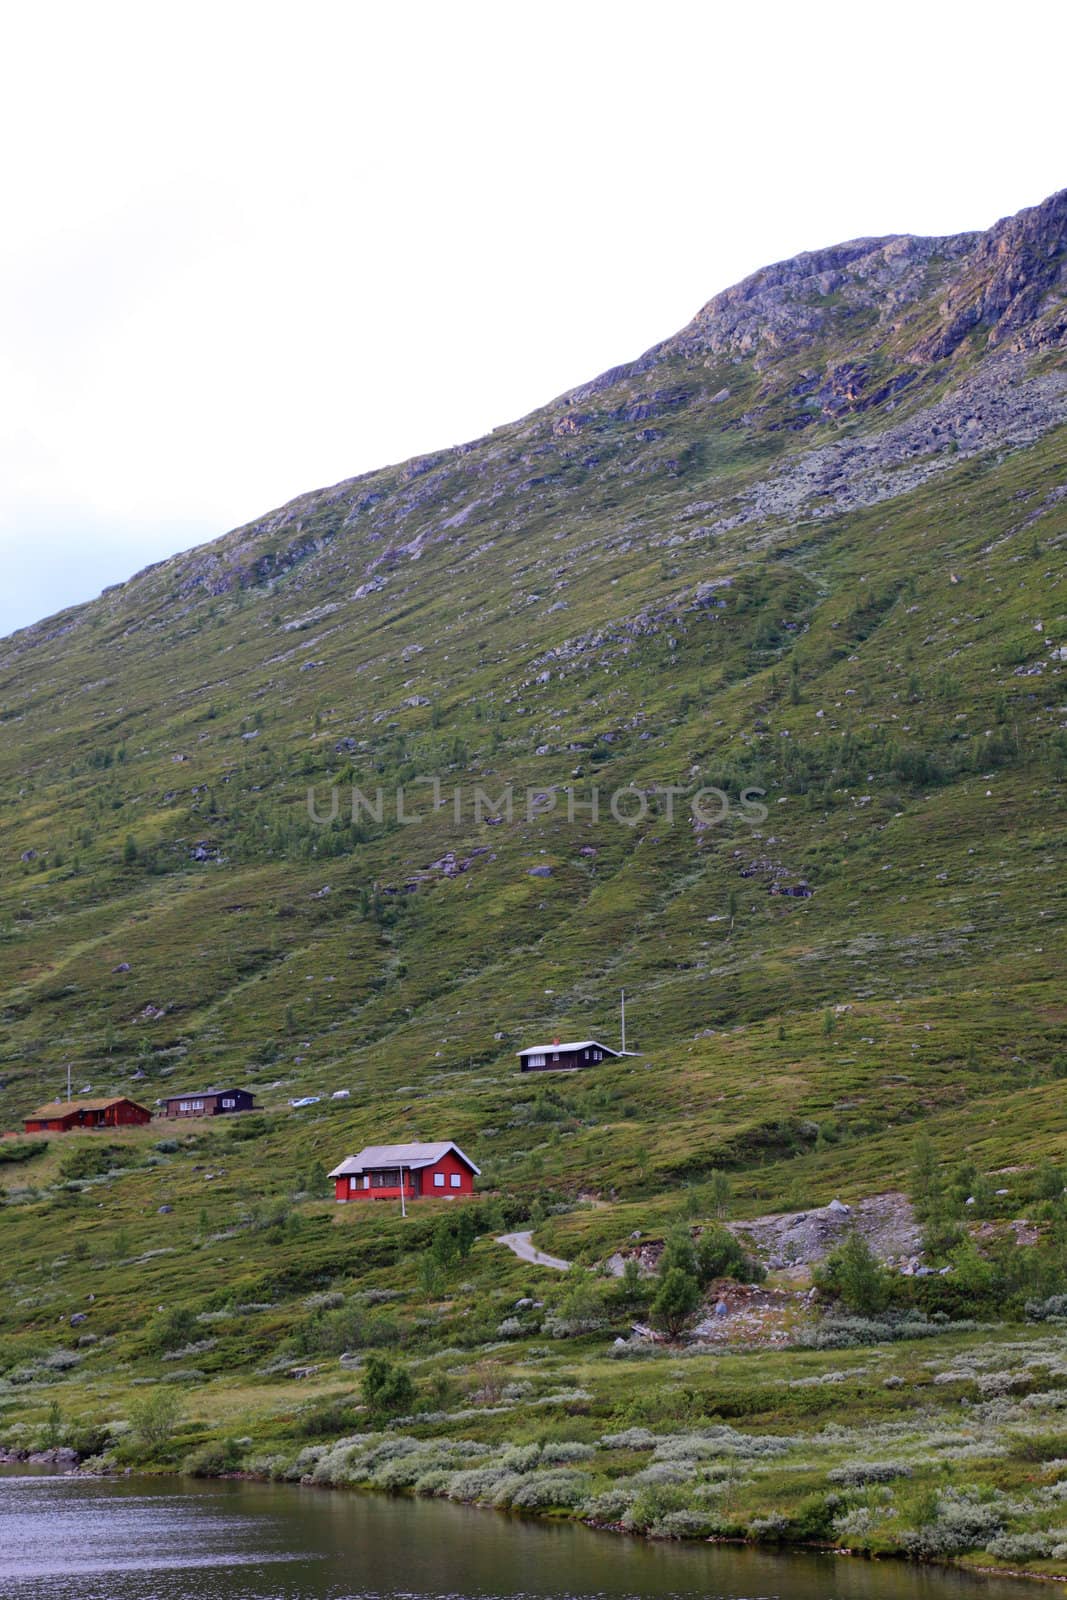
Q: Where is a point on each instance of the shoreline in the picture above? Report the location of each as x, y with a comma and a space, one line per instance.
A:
67, 1465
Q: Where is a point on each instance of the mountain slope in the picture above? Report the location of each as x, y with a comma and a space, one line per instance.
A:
734, 679
811, 544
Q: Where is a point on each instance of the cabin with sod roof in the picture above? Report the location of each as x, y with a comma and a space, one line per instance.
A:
66, 1116
411, 1171
209, 1103
557, 1057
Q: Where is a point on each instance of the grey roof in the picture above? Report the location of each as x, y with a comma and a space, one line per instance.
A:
206, 1094
577, 1044
412, 1156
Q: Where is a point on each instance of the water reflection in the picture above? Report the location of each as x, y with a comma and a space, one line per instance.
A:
74, 1539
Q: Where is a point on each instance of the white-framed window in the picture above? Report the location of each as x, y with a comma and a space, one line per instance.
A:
228, 1105
555, 1055
366, 1180
438, 1180
456, 1181
537, 1061
353, 1183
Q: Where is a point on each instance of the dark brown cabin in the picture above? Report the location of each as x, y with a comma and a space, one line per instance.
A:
557, 1057
209, 1103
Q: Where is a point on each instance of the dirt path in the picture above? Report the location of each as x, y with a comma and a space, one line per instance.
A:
523, 1246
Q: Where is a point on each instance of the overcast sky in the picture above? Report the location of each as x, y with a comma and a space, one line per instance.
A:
249, 249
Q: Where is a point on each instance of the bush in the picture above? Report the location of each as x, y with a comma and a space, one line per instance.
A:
14, 1151
213, 1460
173, 1330
652, 1503
543, 1490
326, 1418
812, 1521
861, 1472
93, 1160
719, 1255
1021, 1547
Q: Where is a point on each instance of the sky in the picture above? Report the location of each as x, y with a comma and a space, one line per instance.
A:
251, 249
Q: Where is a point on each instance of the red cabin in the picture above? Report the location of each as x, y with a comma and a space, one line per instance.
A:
385, 1171
66, 1116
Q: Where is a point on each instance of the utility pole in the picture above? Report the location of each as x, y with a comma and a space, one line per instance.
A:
622, 1005
403, 1202
68, 1082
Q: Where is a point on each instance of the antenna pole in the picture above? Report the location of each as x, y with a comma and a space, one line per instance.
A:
622, 1004
403, 1202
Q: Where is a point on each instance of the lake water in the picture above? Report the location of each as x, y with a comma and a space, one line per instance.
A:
83, 1539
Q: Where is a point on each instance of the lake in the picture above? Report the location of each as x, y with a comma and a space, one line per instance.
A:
64, 1538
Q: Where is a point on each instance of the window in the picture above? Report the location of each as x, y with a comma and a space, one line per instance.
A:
228, 1105
438, 1180
456, 1181
353, 1183
537, 1061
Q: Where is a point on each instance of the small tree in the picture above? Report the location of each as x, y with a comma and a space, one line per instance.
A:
718, 1255
154, 1419
853, 1273
632, 1290
387, 1389
677, 1298
53, 1427
678, 1251
718, 1193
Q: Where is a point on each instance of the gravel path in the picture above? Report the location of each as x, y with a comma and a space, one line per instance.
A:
523, 1246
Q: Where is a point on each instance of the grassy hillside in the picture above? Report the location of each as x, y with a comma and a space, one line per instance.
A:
809, 553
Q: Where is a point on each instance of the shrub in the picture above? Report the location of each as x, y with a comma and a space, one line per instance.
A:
686, 1524
173, 1329
651, 1504
213, 1460
479, 1483
564, 1450
861, 1472
610, 1506
542, 1490
326, 1418
1021, 1546
94, 1160
812, 1521
630, 1439
719, 1255
947, 1524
